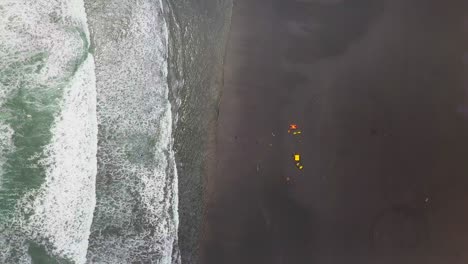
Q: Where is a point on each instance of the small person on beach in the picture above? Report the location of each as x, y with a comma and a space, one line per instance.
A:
293, 130
297, 160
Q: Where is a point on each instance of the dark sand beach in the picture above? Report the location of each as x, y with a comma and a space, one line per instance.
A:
377, 88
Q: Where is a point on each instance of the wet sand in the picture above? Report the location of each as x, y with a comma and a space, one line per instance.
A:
377, 88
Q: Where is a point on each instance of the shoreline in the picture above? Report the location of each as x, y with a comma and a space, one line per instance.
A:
211, 159
197, 69
362, 88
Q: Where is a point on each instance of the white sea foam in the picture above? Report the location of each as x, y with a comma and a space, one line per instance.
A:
136, 211
63, 207
58, 215
136, 214
30, 27
6, 145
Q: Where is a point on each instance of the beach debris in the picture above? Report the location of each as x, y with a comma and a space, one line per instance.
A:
272, 134
426, 200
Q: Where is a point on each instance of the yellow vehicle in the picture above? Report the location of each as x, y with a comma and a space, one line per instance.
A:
297, 157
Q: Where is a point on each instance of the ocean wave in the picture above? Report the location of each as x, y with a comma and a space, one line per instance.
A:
136, 213
63, 207
87, 169
48, 131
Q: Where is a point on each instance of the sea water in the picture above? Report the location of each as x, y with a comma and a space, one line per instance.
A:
48, 131
136, 214
104, 106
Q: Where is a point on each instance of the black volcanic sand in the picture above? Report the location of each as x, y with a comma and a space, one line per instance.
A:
377, 88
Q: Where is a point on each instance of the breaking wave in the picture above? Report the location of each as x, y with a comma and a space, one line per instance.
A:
136, 214
48, 131
87, 170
